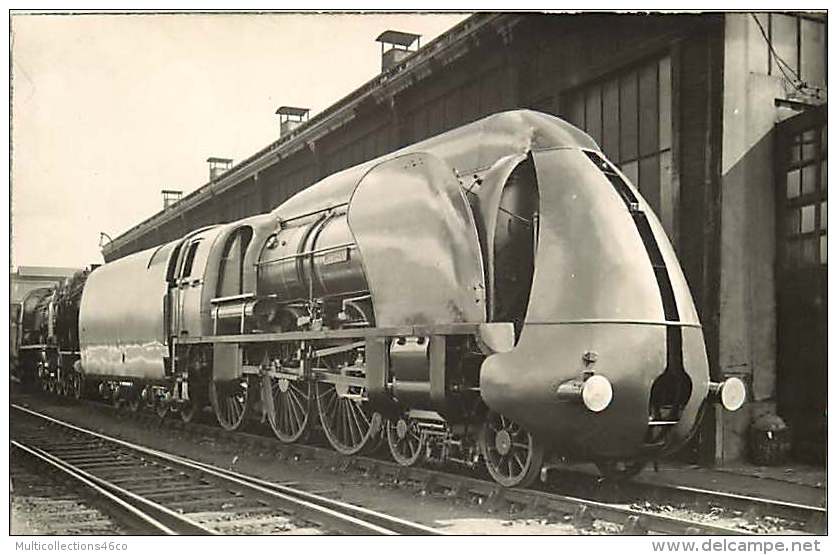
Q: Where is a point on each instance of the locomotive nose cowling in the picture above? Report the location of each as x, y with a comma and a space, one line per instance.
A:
610, 362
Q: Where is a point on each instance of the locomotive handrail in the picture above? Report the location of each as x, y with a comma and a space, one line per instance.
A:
33, 346
627, 321
313, 212
307, 253
232, 298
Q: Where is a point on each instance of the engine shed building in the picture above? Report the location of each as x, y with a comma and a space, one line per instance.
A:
28, 278
719, 119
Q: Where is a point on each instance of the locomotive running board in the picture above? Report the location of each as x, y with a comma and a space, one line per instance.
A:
396, 331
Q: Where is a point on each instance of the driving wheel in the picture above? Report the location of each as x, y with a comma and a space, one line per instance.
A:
348, 424
230, 402
288, 406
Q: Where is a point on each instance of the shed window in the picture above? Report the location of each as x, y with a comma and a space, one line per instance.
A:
630, 115
805, 209
797, 46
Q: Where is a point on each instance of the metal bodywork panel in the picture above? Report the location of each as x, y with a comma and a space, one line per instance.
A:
523, 383
226, 362
696, 364
594, 290
478, 146
470, 151
486, 201
591, 262
482, 154
191, 302
122, 329
418, 242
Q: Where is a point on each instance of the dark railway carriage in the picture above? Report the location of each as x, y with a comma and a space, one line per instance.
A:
498, 293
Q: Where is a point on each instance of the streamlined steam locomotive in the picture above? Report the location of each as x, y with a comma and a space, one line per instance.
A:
497, 294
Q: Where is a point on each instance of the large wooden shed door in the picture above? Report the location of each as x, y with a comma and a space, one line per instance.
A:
802, 288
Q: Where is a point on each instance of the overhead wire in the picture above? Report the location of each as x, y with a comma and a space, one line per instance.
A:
781, 64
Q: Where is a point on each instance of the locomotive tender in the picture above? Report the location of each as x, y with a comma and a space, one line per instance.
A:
497, 293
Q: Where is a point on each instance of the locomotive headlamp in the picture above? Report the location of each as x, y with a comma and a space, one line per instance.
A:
731, 393
597, 393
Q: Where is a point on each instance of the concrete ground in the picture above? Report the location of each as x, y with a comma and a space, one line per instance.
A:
792, 482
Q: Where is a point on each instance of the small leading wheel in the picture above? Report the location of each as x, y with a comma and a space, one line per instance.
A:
512, 455
288, 405
620, 471
230, 402
405, 440
348, 424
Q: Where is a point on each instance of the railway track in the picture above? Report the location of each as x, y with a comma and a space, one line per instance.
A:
122, 508
43, 501
176, 496
609, 504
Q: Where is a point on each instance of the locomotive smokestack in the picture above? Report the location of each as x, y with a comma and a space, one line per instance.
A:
218, 166
169, 198
395, 46
290, 117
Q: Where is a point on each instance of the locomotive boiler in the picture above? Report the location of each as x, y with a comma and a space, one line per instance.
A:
499, 294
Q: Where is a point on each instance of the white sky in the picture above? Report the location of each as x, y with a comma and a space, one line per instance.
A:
110, 109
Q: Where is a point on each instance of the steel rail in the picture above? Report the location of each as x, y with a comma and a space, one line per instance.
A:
336, 514
750, 499
812, 516
585, 511
143, 513
398, 525
633, 520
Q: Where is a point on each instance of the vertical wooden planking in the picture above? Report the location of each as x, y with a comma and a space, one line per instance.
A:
610, 119
628, 117
649, 114
593, 113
